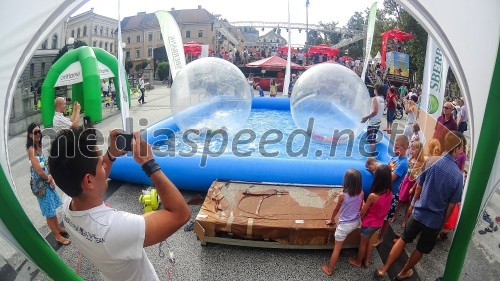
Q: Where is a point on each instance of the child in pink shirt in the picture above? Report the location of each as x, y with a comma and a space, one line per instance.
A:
373, 213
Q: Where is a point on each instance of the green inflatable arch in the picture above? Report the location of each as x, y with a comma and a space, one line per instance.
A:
88, 92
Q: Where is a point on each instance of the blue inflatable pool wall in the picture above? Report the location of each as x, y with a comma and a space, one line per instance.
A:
187, 173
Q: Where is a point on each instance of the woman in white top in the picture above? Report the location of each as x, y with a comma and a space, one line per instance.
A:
375, 118
412, 111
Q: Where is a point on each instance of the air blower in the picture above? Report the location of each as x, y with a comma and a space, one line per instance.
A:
150, 200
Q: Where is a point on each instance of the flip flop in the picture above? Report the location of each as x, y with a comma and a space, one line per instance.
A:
410, 274
377, 274
325, 268
65, 242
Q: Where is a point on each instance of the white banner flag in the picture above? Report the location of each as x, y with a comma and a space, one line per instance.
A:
434, 82
173, 42
122, 81
369, 37
204, 51
286, 82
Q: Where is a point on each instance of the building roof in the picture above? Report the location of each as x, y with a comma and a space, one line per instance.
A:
187, 16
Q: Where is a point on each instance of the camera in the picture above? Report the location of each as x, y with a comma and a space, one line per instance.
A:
124, 142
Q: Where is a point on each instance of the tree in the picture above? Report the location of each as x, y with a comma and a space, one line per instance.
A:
141, 66
77, 44
331, 38
163, 68
356, 22
128, 65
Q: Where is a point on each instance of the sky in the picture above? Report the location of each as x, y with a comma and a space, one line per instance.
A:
236, 10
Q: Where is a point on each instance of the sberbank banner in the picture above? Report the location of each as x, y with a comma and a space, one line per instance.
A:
73, 74
434, 82
172, 39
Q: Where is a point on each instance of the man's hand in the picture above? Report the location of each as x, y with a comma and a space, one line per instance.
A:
76, 106
141, 150
113, 150
364, 119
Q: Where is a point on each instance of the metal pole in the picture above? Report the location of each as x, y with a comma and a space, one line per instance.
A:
307, 23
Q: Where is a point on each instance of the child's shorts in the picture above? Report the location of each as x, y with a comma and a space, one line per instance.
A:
367, 231
344, 228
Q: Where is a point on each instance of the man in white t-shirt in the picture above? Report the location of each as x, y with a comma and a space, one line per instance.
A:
462, 117
113, 240
375, 117
62, 122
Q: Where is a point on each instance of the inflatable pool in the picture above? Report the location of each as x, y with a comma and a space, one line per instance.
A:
197, 170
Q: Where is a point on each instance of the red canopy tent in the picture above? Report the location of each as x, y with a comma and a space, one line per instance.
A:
192, 48
393, 33
323, 49
328, 61
284, 49
346, 58
273, 62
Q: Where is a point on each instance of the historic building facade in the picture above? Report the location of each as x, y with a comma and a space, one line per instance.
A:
142, 33
27, 94
93, 29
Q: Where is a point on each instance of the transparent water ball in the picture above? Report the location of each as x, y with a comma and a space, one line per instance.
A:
334, 99
210, 94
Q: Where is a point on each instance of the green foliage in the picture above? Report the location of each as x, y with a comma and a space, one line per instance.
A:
128, 65
392, 16
77, 44
163, 70
141, 66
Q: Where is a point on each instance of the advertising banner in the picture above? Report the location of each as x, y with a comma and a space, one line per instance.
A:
71, 75
173, 42
434, 81
369, 37
398, 67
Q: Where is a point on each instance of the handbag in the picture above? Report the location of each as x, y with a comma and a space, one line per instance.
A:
38, 187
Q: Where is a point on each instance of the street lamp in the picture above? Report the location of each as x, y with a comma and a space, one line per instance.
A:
70, 43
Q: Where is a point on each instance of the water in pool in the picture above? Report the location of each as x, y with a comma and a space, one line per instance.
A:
268, 133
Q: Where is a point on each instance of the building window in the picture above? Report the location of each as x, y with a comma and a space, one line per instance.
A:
54, 41
138, 39
150, 52
42, 71
84, 31
107, 32
127, 55
128, 40
200, 33
32, 70
78, 33
137, 54
95, 30
44, 45
100, 31
73, 33
106, 46
150, 37
161, 36
111, 47
94, 44
188, 34
100, 44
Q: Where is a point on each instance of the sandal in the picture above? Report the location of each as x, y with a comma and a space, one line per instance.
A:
64, 234
409, 275
378, 274
325, 270
65, 242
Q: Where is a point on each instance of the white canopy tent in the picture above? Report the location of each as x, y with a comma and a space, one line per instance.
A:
447, 22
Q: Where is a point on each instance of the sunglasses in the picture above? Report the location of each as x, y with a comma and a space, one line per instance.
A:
447, 107
37, 132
